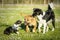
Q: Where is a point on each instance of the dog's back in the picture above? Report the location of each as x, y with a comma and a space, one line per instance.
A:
8, 30
49, 14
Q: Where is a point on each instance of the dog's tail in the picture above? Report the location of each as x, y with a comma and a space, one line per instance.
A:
49, 7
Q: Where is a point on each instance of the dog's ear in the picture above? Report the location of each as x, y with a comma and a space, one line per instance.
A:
41, 12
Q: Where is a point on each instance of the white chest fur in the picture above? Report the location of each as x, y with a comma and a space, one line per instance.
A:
42, 22
40, 16
15, 26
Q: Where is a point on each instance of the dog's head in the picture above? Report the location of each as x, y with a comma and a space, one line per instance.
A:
27, 19
37, 11
18, 22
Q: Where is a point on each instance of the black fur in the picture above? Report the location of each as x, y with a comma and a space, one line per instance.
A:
9, 29
49, 14
18, 22
37, 11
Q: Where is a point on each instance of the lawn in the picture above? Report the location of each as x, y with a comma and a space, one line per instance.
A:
9, 14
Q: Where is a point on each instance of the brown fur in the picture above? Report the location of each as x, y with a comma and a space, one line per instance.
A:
30, 20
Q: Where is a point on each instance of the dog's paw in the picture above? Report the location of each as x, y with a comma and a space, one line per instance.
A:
52, 29
17, 32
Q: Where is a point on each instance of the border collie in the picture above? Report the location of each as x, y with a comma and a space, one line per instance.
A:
44, 17
13, 29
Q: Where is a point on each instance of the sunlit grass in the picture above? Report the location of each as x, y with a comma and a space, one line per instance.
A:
8, 17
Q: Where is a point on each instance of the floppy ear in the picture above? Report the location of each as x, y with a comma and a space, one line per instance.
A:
41, 12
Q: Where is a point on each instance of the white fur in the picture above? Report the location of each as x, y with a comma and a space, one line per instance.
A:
47, 29
15, 26
33, 30
52, 29
43, 13
51, 5
42, 22
17, 33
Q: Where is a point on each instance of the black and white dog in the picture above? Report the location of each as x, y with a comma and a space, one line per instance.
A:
44, 17
13, 29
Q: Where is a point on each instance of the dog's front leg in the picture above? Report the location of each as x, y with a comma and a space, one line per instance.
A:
27, 28
44, 29
34, 29
39, 27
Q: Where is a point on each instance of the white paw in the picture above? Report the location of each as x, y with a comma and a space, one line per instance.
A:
43, 32
17, 32
53, 29
47, 30
33, 30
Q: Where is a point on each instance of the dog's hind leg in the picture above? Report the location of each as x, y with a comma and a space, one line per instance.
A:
53, 23
47, 28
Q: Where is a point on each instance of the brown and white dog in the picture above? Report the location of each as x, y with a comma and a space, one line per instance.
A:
30, 20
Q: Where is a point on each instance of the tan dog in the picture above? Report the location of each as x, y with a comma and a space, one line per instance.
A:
30, 21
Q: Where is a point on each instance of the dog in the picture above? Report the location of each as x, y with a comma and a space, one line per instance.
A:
13, 29
30, 22
44, 17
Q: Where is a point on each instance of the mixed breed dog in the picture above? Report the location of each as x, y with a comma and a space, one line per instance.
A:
30, 21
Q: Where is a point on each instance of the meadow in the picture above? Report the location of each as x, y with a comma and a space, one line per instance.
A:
10, 14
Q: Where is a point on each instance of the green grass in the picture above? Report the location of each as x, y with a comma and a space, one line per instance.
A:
8, 17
